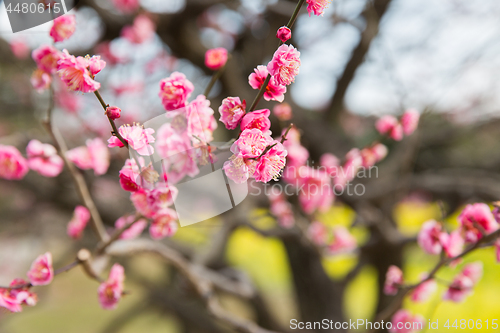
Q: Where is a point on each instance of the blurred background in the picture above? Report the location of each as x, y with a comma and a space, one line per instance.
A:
361, 60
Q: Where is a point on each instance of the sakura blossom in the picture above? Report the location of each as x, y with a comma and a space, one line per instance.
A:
175, 90
130, 179
135, 229
94, 155
424, 290
113, 112
43, 158
216, 58
231, 111
409, 121
452, 243
273, 91
46, 58
315, 190
63, 28
75, 73
137, 137
164, 225
126, 6
404, 321
318, 233
284, 34
317, 7
331, 163
373, 155
19, 49
257, 119
141, 31
391, 127
343, 241
9, 301
251, 143
282, 209
475, 220
238, 169
200, 117
40, 80
473, 271
429, 237
21, 293
110, 291
460, 288
393, 280
13, 166
96, 65
283, 111
41, 271
81, 217
285, 64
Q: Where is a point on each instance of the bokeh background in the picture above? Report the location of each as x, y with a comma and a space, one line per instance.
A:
362, 59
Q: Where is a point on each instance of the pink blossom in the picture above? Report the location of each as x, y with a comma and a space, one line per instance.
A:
393, 280
404, 322
201, 121
274, 91
343, 241
251, 143
424, 290
476, 219
13, 166
68, 100
134, 230
284, 34
473, 271
113, 112
216, 58
354, 161
316, 191
461, 287
111, 290
161, 197
285, 64
390, 126
429, 237
94, 156
139, 199
497, 249
257, 119
130, 175
46, 58
297, 154
453, 243
175, 90
75, 74
40, 80
41, 271
9, 301
318, 233
237, 169
63, 27
96, 65
104, 49
43, 158
137, 137
373, 155
141, 31
317, 6
164, 225
282, 209
22, 292
409, 121
283, 111
231, 111
269, 166
126, 6
331, 163
19, 49
81, 217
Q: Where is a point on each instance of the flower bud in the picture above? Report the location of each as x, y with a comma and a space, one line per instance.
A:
284, 34
113, 112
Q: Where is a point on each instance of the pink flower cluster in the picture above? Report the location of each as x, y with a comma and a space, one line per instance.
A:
393, 280
43, 158
13, 299
13, 166
137, 137
274, 91
216, 58
283, 111
463, 284
94, 155
110, 291
175, 91
81, 217
135, 229
390, 126
63, 28
282, 209
337, 239
78, 72
404, 321
141, 31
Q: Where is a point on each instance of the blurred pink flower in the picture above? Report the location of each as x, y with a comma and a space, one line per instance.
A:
13, 166
318, 233
354, 161
75, 74
216, 58
274, 91
134, 230
22, 295
315, 190
424, 290
374, 154
317, 6
138, 138
113, 112
41, 271
231, 111
46, 58
473, 271
285, 64
429, 237
139, 199
43, 158
164, 225
111, 291
409, 121
331, 163
282, 209
81, 217
40, 80
19, 48
126, 6
68, 100
284, 34
461, 287
269, 165
63, 27
283, 111
175, 90
393, 280
130, 175
476, 219
161, 197
390, 126
453, 243
10, 301
141, 31
258, 119
96, 65
201, 120
404, 322
343, 241
94, 156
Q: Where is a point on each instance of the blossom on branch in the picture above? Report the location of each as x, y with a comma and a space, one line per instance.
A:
231, 111
43, 158
63, 28
110, 292
137, 137
393, 280
216, 58
175, 90
13, 166
317, 7
273, 91
41, 271
81, 217
285, 64
74, 71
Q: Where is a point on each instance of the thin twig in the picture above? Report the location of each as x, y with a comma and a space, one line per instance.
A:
111, 121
